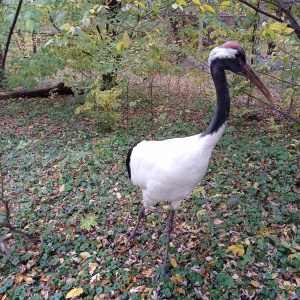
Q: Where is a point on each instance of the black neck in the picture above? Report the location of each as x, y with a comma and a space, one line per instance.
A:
223, 99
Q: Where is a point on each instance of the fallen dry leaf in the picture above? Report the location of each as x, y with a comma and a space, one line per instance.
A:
99, 297
85, 255
148, 272
173, 263
28, 280
176, 277
138, 289
92, 267
74, 293
254, 283
237, 249
201, 212
61, 188
180, 290
18, 278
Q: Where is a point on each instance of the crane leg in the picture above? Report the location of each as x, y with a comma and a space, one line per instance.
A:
133, 234
169, 229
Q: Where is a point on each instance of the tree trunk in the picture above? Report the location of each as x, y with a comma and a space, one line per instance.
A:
110, 78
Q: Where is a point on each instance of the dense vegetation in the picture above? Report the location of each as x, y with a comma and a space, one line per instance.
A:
66, 182
138, 71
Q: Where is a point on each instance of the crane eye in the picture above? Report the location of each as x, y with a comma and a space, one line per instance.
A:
238, 54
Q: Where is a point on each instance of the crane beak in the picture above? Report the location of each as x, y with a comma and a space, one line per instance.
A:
250, 74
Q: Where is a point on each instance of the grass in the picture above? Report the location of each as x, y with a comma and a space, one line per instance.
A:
237, 238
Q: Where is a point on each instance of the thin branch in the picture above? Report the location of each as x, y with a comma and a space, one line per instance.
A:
264, 12
7, 210
51, 20
274, 108
280, 80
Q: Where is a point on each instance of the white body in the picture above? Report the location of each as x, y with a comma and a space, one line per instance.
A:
169, 170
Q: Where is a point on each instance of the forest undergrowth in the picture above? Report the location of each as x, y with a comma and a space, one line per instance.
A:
66, 184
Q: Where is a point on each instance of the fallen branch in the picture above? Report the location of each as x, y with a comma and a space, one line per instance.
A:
60, 89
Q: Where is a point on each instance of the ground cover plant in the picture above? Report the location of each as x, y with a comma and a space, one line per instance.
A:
66, 184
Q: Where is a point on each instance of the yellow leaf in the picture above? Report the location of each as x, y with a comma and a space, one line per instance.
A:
18, 279
173, 262
209, 8
202, 8
225, 3
197, 2
45, 279
254, 283
99, 245
28, 280
126, 39
85, 255
286, 283
120, 47
288, 30
275, 26
197, 192
212, 262
142, 5
238, 249
176, 277
201, 212
264, 230
223, 32
216, 195
74, 293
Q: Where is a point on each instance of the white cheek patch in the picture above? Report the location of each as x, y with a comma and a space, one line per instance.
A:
221, 53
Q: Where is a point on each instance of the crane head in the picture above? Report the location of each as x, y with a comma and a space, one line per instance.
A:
231, 56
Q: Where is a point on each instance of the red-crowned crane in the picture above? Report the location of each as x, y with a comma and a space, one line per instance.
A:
169, 170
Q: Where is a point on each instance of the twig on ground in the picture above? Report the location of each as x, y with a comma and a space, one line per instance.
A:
7, 222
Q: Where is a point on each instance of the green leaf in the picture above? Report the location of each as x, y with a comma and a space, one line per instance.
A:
30, 25
8, 283
224, 279
65, 26
79, 31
